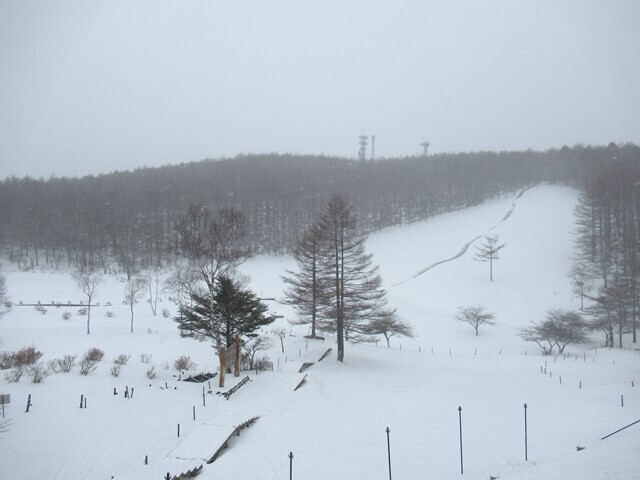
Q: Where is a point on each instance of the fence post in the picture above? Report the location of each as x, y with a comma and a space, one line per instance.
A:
460, 422
389, 451
290, 465
526, 453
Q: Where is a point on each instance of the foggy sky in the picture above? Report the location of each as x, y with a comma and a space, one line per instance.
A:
90, 87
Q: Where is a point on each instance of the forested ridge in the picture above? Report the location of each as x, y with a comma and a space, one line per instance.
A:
126, 219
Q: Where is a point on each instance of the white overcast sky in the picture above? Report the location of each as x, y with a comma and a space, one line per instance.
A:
90, 87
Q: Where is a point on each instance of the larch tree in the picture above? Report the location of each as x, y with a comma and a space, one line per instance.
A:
357, 296
488, 252
307, 290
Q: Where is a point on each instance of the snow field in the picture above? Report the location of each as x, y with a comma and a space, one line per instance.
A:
335, 423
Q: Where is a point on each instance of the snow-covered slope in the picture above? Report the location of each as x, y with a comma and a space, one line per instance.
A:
335, 422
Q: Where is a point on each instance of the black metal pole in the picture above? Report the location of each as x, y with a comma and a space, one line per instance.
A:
526, 453
460, 422
290, 465
389, 451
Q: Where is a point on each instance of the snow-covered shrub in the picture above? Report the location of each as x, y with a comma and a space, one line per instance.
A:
14, 375
109, 314
82, 311
38, 372
262, 364
40, 309
116, 368
66, 315
166, 313
94, 354
121, 359
151, 373
26, 356
145, 357
184, 362
64, 364
6, 360
87, 366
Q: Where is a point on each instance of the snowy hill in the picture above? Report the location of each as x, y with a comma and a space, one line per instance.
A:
335, 422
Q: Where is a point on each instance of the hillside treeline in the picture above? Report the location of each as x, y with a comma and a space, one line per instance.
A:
608, 239
126, 219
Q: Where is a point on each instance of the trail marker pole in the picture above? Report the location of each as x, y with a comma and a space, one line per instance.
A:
526, 453
28, 403
460, 422
389, 451
290, 465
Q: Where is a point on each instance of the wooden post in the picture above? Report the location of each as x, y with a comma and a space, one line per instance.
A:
223, 366
28, 403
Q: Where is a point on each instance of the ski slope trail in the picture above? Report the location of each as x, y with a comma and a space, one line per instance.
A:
466, 246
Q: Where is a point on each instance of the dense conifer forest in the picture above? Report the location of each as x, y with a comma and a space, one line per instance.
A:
125, 220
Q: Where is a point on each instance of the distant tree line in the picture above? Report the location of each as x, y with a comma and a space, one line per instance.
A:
605, 272
126, 220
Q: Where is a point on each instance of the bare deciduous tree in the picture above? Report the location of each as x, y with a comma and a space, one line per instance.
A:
255, 345
389, 325
4, 299
559, 329
475, 316
88, 280
133, 291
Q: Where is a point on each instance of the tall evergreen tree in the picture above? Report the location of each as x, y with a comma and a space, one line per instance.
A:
233, 311
307, 290
357, 296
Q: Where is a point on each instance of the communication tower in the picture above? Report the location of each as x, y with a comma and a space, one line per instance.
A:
425, 146
362, 153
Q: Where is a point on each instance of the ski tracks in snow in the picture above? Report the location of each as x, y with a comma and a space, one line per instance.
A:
466, 246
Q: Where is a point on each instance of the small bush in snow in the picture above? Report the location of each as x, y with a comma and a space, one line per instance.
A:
184, 363
6, 360
82, 312
151, 373
166, 365
41, 309
66, 315
263, 364
26, 356
94, 355
116, 368
38, 372
64, 364
109, 314
166, 313
145, 358
121, 359
14, 375
87, 366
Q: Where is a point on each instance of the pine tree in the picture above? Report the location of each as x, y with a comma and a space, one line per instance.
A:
233, 311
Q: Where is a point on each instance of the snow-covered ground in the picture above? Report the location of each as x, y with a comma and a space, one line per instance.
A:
335, 423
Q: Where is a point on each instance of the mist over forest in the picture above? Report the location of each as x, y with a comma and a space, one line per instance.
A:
125, 220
